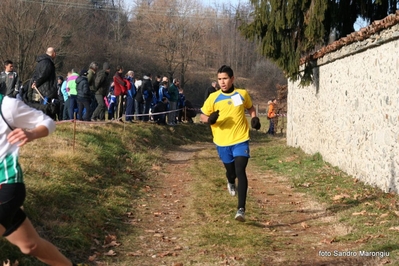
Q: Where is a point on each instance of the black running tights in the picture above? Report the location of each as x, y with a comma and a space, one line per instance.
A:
237, 169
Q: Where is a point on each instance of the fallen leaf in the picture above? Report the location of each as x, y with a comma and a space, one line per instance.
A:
363, 240
92, 257
359, 213
112, 244
396, 213
135, 254
304, 225
110, 253
109, 239
328, 241
394, 228
340, 197
384, 215
166, 254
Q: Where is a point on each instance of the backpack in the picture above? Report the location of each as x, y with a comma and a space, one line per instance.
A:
131, 89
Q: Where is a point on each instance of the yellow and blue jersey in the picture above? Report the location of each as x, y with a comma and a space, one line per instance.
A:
232, 126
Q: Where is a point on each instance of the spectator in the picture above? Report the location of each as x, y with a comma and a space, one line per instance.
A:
139, 99
73, 93
9, 80
181, 104
210, 90
156, 85
146, 88
101, 84
91, 79
271, 115
60, 81
131, 93
64, 93
160, 107
84, 95
120, 90
44, 80
111, 103
174, 97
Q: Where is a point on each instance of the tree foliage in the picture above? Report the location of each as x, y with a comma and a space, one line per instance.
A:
178, 38
289, 29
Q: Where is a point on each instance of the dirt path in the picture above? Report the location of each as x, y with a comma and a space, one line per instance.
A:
293, 220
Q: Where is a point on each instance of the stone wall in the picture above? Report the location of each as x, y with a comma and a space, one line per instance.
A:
350, 114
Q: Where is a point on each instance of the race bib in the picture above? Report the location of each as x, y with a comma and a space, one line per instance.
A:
236, 100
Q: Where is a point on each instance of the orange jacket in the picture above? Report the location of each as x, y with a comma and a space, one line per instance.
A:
271, 113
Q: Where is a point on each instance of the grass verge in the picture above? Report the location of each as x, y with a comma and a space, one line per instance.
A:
371, 214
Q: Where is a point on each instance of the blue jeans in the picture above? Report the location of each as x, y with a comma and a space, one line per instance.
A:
129, 108
271, 127
73, 103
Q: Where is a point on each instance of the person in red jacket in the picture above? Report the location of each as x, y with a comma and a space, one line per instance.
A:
120, 90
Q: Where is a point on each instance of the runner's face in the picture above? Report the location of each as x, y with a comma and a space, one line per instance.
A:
225, 82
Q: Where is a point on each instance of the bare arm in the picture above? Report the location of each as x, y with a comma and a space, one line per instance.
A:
252, 111
24, 136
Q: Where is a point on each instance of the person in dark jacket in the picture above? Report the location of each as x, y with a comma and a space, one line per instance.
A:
91, 78
102, 85
210, 89
147, 93
44, 79
9, 80
84, 95
160, 108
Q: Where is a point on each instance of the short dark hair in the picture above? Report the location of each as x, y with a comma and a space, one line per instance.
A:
119, 68
7, 62
227, 70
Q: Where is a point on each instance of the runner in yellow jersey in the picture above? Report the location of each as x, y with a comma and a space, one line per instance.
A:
224, 110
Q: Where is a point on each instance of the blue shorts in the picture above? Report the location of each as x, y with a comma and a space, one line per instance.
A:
228, 153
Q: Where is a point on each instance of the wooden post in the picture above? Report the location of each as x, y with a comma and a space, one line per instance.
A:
257, 109
74, 132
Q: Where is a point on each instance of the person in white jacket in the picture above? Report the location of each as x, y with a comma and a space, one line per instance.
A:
20, 124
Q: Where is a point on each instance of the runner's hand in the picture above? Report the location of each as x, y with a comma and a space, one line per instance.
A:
255, 123
213, 117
